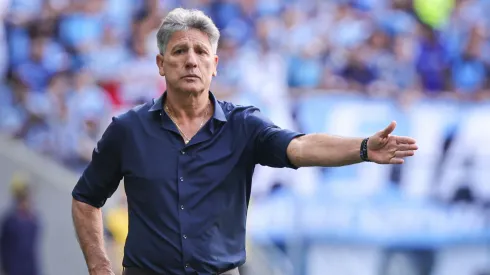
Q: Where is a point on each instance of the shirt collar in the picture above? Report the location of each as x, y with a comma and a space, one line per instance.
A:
219, 114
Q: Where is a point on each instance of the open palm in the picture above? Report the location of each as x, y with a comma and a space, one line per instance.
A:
384, 148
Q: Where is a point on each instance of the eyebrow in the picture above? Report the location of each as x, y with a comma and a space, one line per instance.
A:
185, 45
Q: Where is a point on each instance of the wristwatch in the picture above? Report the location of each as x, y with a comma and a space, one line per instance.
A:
364, 150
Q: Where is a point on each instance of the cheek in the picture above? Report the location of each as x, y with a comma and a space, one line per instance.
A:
170, 68
207, 65
172, 62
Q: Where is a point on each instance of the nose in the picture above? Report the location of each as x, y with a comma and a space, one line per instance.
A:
191, 61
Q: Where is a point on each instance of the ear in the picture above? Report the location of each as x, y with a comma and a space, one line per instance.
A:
216, 59
159, 60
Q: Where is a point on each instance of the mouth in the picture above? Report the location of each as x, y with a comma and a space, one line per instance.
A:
190, 76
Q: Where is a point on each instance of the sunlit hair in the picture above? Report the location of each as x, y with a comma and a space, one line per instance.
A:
181, 19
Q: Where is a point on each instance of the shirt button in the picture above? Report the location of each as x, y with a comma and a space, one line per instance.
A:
185, 236
181, 179
186, 265
182, 207
182, 152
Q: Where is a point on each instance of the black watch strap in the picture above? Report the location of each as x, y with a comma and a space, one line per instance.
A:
364, 151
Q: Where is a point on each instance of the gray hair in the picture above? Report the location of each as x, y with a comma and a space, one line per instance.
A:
181, 19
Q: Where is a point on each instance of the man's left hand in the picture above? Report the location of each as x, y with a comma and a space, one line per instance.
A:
384, 148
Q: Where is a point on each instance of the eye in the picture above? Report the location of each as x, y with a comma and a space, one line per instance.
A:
201, 51
179, 51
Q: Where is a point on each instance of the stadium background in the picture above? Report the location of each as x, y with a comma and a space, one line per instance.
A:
336, 66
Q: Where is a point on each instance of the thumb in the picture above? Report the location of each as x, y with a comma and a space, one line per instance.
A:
388, 130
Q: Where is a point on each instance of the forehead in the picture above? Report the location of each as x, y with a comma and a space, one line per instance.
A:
189, 37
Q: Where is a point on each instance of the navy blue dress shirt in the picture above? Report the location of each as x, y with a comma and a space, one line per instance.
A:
187, 203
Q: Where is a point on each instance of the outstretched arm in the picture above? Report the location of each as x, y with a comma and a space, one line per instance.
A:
327, 151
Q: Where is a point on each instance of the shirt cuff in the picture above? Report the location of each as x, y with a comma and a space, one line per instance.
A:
81, 198
284, 142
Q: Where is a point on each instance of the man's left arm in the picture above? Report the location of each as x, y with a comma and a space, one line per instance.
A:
330, 151
324, 150
277, 147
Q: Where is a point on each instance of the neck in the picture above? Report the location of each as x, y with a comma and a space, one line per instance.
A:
187, 105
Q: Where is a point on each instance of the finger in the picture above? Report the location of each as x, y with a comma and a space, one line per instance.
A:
407, 140
388, 130
396, 161
406, 147
404, 154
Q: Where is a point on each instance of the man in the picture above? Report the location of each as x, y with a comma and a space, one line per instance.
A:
19, 234
187, 161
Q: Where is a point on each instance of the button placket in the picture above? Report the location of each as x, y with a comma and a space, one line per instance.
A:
183, 157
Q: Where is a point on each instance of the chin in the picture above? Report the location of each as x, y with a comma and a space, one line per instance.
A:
192, 87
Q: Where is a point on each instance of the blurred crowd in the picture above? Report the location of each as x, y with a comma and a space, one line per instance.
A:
67, 66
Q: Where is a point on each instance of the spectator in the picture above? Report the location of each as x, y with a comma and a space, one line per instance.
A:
400, 70
20, 233
34, 72
28, 110
3, 38
87, 108
469, 70
225, 86
431, 62
13, 95
81, 29
110, 55
139, 79
62, 132
357, 72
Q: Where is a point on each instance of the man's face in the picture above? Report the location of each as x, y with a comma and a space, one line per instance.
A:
189, 63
